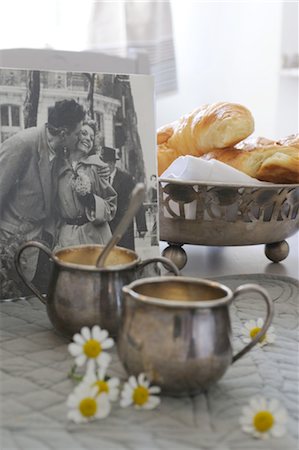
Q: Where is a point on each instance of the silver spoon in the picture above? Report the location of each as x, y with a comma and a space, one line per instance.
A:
136, 200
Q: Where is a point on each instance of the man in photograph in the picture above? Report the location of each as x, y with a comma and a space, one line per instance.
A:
123, 183
27, 177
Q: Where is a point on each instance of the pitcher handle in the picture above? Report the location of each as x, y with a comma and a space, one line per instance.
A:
19, 269
270, 311
164, 261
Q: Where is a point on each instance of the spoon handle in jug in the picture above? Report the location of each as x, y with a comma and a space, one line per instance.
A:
136, 200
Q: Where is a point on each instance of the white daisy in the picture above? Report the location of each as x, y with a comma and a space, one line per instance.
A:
85, 405
253, 327
263, 418
98, 379
137, 392
89, 345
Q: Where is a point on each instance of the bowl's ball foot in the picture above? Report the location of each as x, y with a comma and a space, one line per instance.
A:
278, 251
176, 254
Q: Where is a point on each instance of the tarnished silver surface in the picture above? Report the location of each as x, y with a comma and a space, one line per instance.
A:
230, 214
81, 294
177, 330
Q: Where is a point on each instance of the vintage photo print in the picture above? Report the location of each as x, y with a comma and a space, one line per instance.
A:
72, 148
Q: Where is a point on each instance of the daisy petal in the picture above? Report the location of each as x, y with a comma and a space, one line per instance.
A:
260, 322
96, 333
108, 343
113, 394
75, 416
80, 360
245, 420
155, 390
257, 403
101, 372
103, 406
85, 331
244, 331
126, 402
132, 381
91, 373
71, 401
265, 435
127, 394
104, 359
263, 403
102, 335
75, 349
91, 365
127, 387
278, 430
113, 382
142, 380
78, 339
250, 324
281, 416
260, 435
93, 390
152, 402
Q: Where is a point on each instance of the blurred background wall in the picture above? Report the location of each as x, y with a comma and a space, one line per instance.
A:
237, 51
234, 51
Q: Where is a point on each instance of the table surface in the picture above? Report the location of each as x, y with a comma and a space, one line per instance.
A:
34, 386
203, 261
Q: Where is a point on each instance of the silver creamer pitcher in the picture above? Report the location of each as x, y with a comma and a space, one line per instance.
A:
177, 331
81, 294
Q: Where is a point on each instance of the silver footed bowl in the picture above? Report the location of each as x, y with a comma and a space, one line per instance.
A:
219, 214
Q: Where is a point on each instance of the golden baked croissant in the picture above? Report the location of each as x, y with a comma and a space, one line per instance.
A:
165, 156
218, 125
263, 159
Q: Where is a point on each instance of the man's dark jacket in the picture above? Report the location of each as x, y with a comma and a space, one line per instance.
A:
123, 184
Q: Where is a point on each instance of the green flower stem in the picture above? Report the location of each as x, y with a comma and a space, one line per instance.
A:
72, 374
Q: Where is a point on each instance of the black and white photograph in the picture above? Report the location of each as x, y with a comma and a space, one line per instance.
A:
72, 148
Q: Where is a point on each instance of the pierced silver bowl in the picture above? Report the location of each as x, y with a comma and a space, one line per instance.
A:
217, 214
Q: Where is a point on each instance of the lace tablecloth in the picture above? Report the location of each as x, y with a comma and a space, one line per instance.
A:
34, 386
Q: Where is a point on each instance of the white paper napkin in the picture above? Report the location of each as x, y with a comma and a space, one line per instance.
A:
198, 169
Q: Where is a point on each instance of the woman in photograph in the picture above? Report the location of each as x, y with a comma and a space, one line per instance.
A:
86, 201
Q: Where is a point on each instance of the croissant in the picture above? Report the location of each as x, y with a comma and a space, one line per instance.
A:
263, 159
165, 156
218, 125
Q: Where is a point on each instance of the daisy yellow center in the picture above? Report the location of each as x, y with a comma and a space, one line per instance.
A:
102, 386
254, 332
263, 421
92, 348
140, 396
88, 407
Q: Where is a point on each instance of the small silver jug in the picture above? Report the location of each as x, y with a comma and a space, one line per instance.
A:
80, 294
177, 331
